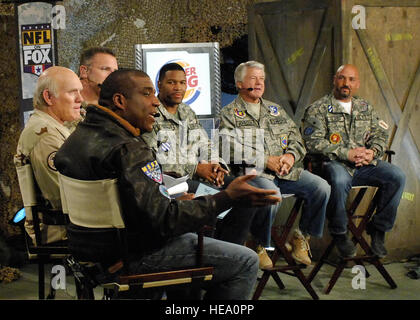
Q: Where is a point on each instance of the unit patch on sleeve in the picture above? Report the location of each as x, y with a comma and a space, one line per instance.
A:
152, 170
283, 142
50, 160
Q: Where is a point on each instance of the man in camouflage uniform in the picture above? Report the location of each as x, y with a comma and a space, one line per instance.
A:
347, 130
272, 143
181, 144
56, 99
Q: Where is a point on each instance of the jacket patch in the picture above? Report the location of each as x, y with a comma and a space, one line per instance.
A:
152, 170
335, 138
283, 142
308, 131
165, 146
244, 123
239, 113
277, 121
50, 160
274, 111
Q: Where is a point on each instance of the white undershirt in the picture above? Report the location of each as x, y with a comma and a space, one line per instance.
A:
346, 106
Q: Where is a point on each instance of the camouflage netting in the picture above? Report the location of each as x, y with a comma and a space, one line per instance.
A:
10, 199
8, 274
120, 26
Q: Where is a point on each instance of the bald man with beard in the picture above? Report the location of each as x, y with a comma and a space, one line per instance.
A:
57, 99
348, 131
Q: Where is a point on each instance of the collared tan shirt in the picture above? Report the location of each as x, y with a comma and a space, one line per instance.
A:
38, 144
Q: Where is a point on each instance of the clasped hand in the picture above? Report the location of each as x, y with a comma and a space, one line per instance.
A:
281, 164
360, 156
212, 172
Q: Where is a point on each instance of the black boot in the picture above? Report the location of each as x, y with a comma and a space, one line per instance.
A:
345, 246
378, 240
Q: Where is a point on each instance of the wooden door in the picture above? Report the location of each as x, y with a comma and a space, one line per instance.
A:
295, 41
387, 53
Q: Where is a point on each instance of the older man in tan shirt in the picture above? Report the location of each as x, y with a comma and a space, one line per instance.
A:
57, 99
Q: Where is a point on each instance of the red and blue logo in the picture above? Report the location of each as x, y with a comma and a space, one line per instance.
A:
193, 89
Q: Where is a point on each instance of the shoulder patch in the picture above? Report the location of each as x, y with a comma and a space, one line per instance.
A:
43, 130
308, 131
50, 161
283, 142
165, 146
152, 171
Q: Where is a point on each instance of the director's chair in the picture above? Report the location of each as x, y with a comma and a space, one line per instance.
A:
357, 238
279, 235
38, 212
105, 216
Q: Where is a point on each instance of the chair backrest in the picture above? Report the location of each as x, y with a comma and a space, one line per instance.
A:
37, 212
91, 203
27, 185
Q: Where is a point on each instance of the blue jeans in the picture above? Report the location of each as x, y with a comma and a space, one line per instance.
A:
235, 267
388, 178
314, 190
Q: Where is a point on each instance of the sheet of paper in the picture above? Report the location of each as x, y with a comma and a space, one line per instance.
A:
204, 190
169, 181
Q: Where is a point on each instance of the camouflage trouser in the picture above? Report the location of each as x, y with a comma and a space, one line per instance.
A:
390, 180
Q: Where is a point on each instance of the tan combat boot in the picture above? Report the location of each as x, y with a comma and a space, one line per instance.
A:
265, 261
301, 250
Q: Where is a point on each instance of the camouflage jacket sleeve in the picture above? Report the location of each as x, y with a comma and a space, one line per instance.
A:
295, 144
315, 134
379, 135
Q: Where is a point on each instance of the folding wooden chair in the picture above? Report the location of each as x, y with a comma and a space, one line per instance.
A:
357, 232
106, 216
39, 252
292, 268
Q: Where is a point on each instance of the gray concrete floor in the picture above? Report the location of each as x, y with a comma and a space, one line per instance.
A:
26, 288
